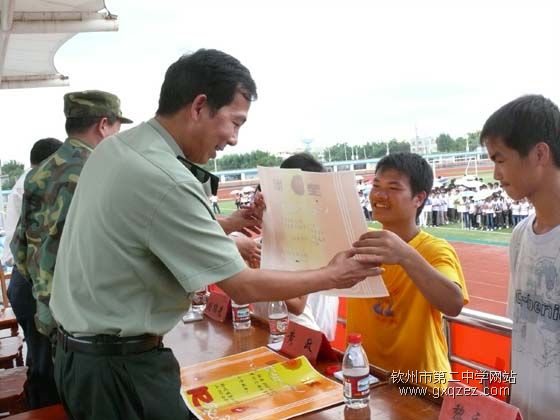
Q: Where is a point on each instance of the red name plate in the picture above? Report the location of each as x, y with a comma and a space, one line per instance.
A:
218, 307
303, 341
462, 401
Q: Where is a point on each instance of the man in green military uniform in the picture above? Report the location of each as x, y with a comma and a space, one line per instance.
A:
141, 238
20, 291
91, 116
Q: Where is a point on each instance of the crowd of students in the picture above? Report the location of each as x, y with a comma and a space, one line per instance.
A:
496, 211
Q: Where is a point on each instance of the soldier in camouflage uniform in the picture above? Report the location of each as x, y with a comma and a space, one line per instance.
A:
20, 290
91, 116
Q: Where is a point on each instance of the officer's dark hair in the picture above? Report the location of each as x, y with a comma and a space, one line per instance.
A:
415, 167
303, 161
80, 125
210, 72
524, 122
42, 149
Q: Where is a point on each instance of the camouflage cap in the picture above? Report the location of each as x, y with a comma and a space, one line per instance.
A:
93, 103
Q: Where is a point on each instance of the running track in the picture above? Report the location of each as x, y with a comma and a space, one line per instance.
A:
486, 270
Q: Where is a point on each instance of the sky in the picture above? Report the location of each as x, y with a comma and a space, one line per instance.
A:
329, 71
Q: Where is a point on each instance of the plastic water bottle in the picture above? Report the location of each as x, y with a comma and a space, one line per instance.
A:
200, 299
355, 370
241, 316
277, 320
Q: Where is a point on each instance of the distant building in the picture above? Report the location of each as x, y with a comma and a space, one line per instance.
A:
423, 145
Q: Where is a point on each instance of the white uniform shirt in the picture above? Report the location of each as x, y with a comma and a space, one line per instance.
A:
534, 307
524, 208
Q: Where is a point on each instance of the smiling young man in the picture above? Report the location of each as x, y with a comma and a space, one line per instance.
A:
141, 238
523, 140
403, 332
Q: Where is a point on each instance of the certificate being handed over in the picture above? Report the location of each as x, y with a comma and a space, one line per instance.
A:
309, 218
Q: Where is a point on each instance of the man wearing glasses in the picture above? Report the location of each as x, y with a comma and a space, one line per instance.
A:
141, 238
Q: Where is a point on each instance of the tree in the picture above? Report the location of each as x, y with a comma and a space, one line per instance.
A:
460, 144
398, 146
244, 161
11, 171
474, 140
340, 151
445, 143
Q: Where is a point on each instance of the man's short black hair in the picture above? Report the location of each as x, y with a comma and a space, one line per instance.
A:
210, 72
415, 167
524, 122
80, 125
42, 149
303, 161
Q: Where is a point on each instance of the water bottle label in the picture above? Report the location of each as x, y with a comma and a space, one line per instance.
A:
241, 314
356, 386
278, 326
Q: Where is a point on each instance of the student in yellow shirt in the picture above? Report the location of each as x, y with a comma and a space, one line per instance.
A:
403, 332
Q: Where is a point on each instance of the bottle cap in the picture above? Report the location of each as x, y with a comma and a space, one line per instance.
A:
354, 338
330, 370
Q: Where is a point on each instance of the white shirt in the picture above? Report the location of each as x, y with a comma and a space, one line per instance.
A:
428, 205
13, 212
444, 204
534, 307
524, 208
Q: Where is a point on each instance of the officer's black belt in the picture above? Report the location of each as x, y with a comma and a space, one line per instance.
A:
108, 345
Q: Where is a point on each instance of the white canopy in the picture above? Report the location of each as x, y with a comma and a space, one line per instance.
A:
468, 182
32, 31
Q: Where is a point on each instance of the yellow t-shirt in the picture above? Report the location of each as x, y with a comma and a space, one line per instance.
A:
403, 332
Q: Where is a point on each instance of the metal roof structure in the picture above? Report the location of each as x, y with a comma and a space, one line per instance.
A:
32, 31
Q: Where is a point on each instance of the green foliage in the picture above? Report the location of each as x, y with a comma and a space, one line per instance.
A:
445, 143
243, 161
398, 146
344, 151
11, 171
473, 139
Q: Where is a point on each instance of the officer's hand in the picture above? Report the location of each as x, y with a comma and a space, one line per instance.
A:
349, 268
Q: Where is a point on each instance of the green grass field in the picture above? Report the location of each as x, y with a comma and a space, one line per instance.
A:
451, 232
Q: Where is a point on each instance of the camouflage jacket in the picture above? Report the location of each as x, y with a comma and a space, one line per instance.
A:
48, 191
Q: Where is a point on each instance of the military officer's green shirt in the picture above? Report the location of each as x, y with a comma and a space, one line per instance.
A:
48, 191
139, 240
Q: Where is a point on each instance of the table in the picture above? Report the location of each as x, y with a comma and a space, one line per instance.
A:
207, 340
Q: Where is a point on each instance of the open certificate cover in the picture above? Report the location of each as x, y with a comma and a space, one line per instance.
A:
257, 384
310, 217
